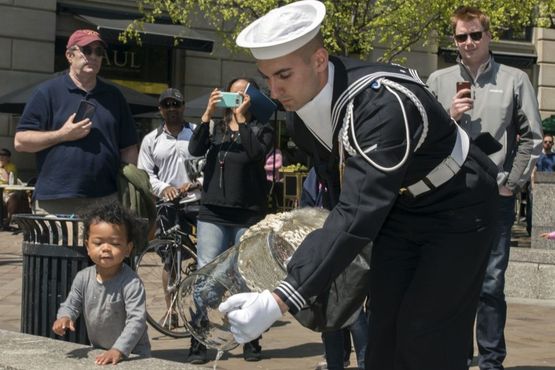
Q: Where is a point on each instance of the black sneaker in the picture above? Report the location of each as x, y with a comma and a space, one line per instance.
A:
197, 353
251, 351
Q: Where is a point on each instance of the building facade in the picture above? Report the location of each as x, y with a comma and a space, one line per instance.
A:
33, 34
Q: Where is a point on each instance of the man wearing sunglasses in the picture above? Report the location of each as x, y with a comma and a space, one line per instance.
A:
501, 101
78, 158
546, 162
164, 152
165, 157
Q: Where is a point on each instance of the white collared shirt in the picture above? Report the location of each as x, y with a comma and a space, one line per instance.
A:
163, 157
316, 114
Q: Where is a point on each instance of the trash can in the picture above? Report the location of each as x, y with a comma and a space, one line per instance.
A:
53, 253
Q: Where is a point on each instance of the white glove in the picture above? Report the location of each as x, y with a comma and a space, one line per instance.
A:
250, 314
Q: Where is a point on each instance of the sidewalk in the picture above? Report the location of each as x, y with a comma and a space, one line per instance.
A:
530, 332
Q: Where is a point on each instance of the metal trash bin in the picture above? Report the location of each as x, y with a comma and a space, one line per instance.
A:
53, 253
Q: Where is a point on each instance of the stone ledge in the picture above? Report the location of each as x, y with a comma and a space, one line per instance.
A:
531, 274
541, 256
31, 352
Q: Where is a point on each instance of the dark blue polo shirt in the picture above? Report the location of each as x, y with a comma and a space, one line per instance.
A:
87, 167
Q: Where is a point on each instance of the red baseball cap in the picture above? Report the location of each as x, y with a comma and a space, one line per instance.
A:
83, 38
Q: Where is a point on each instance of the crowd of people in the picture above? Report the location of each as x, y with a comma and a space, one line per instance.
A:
425, 174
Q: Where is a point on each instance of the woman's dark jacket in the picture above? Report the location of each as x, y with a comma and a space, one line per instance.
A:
234, 186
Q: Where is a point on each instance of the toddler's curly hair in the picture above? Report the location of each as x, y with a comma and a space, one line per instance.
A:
110, 212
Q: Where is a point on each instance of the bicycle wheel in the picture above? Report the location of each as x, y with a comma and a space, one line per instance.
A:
157, 267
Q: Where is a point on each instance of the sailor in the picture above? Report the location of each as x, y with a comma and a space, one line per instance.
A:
400, 173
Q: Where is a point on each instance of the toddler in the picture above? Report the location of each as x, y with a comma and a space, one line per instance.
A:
109, 294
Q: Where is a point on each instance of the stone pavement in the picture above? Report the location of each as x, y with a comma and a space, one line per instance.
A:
530, 332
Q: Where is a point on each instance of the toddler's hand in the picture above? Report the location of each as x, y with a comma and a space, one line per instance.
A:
548, 236
62, 324
111, 356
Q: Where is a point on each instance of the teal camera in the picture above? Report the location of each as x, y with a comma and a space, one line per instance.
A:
230, 100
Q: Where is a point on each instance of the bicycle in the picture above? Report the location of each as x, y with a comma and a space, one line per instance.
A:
164, 264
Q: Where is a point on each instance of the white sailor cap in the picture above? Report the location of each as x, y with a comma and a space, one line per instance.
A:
283, 30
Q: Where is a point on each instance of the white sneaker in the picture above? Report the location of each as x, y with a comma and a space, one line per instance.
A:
322, 365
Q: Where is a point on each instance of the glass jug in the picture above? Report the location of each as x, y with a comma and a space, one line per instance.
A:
257, 262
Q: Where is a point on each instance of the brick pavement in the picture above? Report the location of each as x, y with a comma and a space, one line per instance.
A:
530, 332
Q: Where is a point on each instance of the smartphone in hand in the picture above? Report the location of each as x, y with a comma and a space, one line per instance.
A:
86, 110
230, 100
464, 85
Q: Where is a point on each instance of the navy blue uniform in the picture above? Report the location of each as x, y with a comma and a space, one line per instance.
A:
429, 250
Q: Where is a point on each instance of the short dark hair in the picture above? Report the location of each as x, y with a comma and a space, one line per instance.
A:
5, 152
109, 212
307, 50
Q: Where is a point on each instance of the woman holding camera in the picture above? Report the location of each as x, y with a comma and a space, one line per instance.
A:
234, 194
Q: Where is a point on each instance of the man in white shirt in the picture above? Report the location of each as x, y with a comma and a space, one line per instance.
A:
164, 152
164, 155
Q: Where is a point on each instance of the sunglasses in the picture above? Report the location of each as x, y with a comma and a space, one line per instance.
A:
475, 36
171, 103
88, 50
548, 142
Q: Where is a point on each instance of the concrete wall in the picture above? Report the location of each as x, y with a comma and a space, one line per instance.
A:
531, 274
543, 214
545, 46
27, 32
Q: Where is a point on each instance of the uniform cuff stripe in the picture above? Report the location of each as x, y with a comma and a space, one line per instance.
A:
293, 306
292, 295
290, 298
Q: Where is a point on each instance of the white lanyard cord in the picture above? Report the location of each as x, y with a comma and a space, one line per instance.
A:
348, 121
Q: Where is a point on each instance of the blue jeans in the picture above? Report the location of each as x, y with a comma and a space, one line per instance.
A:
214, 239
333, 343
492, 308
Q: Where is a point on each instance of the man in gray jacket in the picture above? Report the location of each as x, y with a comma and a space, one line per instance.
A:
499, 100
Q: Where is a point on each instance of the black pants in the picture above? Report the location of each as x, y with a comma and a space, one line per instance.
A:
424, 298
428, 264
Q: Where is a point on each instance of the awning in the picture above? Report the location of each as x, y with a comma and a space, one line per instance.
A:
15, 101
169, 35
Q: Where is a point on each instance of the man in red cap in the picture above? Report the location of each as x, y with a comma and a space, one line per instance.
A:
78, 155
